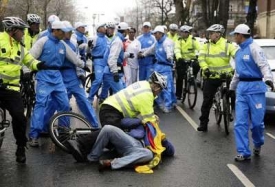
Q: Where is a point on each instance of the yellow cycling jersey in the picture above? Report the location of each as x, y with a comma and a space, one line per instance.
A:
29, 40
187, 49
134, 101
216, 56
12, 56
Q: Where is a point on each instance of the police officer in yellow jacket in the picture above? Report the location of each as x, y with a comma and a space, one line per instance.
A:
186, 48
31, 33
172, 34
214, 56
133, 101
12, 56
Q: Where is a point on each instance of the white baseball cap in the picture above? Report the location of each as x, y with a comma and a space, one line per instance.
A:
241, 29
68, 25
122, 26
60, 25
146, 24
158, 28
99, 25
79, 24
53, 18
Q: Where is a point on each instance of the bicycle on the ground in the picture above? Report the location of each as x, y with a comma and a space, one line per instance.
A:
223, 102
190, 85
27, 91
64, 126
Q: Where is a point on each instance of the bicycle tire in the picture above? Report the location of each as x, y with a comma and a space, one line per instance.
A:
60, 134
217, 112
190, 92
226, 113
2, 130
184, 92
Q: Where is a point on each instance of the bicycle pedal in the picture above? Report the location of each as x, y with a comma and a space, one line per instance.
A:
5, 123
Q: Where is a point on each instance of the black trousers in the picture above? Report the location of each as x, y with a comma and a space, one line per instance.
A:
12, 102
209, 89
109, 115
181, 72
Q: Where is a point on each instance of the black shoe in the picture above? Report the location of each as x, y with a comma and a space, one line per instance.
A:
178, 97
75, 150
104, 165
202, 128
20, 154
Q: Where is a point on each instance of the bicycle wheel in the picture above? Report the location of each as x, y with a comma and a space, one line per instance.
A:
184, 90
192, 93
66, 126
226, 113
2, 128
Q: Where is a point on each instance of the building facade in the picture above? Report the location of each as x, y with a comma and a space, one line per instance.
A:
266, 19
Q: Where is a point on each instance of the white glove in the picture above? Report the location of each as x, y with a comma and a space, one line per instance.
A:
82, 46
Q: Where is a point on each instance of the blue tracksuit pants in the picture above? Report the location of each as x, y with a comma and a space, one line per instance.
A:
97, 82
44, 91
250, 109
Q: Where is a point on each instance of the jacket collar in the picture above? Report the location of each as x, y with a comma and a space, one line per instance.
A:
246, 43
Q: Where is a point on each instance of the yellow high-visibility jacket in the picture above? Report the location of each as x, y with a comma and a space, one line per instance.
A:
29, 40
187, 49
173, 38
216, 56
135, 100
12, 56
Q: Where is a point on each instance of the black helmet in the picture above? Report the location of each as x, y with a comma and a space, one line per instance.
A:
14, 22
158, 79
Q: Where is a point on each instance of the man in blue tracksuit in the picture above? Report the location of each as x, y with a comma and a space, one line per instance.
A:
51, 19
49, 82
73, 83
114, 56
164, 52
146, 64
99, 46
251, 69
79, 38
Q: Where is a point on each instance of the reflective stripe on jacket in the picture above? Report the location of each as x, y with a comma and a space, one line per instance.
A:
187, 49
12, 57
133, 101
216, 56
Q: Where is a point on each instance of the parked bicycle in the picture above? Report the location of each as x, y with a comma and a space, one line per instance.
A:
223, 102
27, 91
190, 85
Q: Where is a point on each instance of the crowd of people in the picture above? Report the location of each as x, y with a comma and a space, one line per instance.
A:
138, 71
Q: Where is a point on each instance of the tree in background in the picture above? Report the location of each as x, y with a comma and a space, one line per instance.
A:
215, 11
44, 8
3, 7
252, 15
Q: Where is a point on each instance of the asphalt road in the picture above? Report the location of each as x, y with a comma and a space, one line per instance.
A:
201, 159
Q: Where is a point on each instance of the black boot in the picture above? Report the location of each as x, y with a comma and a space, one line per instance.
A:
202, 128
20, 154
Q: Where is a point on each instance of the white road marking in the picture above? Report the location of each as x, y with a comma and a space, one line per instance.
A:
187, 117
246, 182
270, 135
